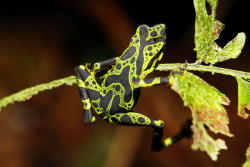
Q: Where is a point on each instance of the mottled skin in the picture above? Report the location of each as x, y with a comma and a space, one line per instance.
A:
122, 79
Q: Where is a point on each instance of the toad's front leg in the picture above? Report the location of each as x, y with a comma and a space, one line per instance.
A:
89, 91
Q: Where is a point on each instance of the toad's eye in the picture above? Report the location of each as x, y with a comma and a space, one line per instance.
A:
153, 33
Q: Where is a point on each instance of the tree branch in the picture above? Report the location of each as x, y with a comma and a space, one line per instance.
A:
26, 94
202, 68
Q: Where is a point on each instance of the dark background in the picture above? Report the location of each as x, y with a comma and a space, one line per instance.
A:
44, 40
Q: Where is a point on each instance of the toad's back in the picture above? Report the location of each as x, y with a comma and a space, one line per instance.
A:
138, 59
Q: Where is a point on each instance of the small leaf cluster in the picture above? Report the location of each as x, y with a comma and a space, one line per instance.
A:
205, 101
207, 30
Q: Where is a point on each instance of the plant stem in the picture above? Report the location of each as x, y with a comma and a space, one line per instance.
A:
202, 68
26, 94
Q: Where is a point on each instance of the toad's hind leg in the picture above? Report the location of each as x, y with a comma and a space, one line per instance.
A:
137, 119
185, 132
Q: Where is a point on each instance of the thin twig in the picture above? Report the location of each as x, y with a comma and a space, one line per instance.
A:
26, 94
202, 68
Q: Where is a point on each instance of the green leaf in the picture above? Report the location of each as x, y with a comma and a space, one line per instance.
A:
243, 97
205, 142
233, 48
247, 163
207, 30
206, 104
